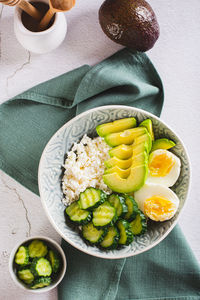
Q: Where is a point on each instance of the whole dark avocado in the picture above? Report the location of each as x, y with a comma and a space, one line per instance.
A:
131, 23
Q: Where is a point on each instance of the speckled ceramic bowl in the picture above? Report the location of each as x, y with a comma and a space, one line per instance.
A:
49, 177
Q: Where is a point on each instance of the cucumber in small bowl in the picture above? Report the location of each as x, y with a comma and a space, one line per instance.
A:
37, 264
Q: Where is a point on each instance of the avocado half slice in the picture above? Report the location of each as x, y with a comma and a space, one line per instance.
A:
121, 163
132, 183
149, 126
126, 163
145, 138
162, 144
116, 126
124, 137
127, 151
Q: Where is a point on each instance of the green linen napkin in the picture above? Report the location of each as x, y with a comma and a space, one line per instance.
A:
27, 121
168, 271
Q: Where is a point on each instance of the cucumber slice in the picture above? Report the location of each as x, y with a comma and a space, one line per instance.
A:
126, 236
132, 208
91, 198
54, 260
41, 282
92, 234
111, 239
25, 275
77, 215
104, 215
139, 225
22, 256
118, 201
41, 267
37, 248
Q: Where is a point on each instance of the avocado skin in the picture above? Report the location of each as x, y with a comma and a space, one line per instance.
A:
131, 23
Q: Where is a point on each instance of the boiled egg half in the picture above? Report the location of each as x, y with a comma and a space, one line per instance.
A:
157, 202
164, 167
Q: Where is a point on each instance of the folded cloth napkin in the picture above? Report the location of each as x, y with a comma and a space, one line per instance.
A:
27, 121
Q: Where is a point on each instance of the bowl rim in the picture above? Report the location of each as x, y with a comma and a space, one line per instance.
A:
104, 107
56, 246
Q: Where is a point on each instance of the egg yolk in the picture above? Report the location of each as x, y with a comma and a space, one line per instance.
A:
161, 165
159, 208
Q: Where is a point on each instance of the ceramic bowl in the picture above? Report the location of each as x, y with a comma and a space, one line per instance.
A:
50, 175
52, 245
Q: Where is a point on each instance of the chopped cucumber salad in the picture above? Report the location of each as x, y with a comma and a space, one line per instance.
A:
37, 264
114, 219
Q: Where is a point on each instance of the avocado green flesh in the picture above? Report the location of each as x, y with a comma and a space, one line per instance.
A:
123, 173
149, 126
162, 144
126, 137
145, 138
132, 183
116, 126
125, 152
121, 163
126, 163
128, 166
121, 151
138, 160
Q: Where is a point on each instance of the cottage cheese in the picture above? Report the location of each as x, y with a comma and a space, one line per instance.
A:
84, 168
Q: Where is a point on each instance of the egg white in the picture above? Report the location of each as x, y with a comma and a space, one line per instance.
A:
151, 190
170, 178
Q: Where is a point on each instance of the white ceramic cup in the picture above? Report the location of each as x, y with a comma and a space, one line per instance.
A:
43, 41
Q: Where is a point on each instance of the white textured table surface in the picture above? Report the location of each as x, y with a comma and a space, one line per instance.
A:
176, 57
